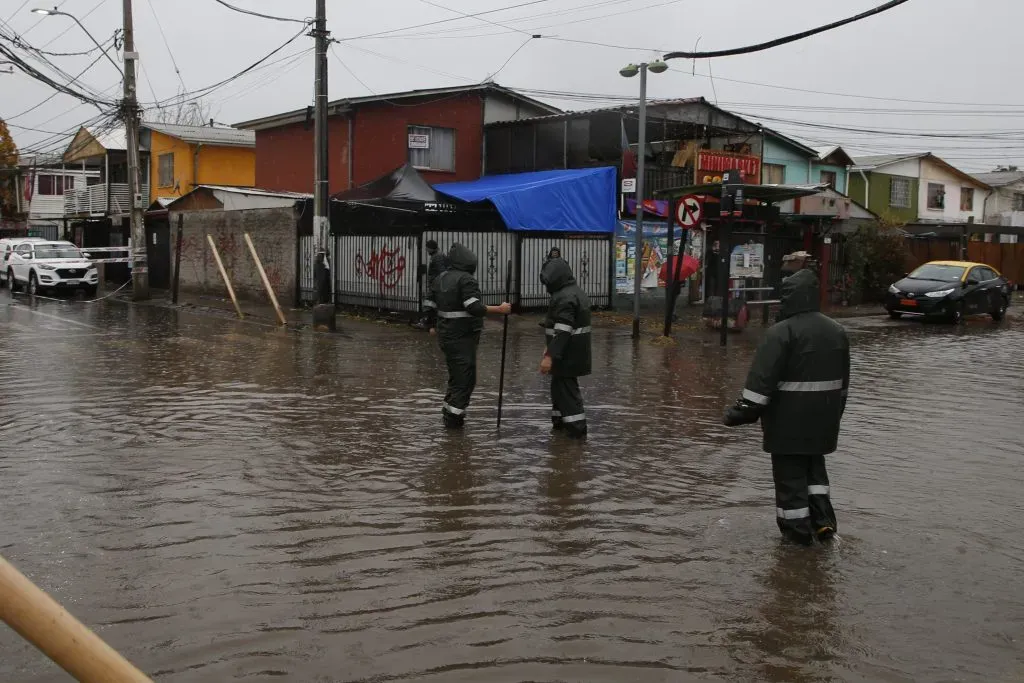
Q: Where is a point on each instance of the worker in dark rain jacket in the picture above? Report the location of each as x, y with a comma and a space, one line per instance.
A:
460, 320
438, 264
797, 387
567, 356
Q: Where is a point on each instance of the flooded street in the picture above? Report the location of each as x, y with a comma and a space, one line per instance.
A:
225, 501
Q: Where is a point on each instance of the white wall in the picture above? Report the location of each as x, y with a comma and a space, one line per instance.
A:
1001, 200
911, 168
52, 206
934, 173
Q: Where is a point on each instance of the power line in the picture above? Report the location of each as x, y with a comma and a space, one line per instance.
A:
444, 21
77, 76
262, 16
500, 68
351, 72
787, 39
466, 16
170, 53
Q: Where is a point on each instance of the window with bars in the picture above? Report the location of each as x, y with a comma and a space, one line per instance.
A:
773, 174
899, 193
936, 196
1018, 201
432, 148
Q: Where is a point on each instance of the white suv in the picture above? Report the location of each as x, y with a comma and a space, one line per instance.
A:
7, 245
50, 265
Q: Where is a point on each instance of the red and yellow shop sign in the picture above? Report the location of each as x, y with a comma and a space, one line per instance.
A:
711, 165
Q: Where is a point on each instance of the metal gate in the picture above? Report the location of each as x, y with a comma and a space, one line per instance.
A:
306, 257
493, 251
377, 271
589, 257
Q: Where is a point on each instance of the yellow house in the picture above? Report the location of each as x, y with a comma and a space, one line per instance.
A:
184, 157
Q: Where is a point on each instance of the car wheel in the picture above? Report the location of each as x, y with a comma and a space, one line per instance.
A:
10, 278
895, 315
1000, 312
33, 284
956, 312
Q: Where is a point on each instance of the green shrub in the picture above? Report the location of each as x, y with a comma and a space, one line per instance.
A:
877, 257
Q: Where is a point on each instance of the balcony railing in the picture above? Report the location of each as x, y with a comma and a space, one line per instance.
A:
92, 200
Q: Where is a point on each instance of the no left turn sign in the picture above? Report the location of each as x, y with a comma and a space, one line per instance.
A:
689, 211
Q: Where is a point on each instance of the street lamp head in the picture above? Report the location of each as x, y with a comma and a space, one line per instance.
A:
657, 66
629, 70
44, 12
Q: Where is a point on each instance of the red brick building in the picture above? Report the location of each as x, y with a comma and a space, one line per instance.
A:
438, 131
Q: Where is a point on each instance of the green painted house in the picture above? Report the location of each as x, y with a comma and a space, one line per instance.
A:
888, 185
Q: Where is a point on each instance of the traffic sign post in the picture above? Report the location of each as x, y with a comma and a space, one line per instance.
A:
689, 211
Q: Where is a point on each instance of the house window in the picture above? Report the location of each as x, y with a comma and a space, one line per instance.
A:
165, 170
432, 148
53, 185
829, 178
1018, 201
967, 199
773, 174
899, 193
936, 196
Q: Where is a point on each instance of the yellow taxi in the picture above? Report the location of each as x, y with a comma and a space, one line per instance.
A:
950, 290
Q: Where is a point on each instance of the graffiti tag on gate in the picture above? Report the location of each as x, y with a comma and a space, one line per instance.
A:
385, 266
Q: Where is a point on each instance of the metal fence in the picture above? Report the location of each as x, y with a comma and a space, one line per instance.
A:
493, 251
377, 271
389, 272
589, 257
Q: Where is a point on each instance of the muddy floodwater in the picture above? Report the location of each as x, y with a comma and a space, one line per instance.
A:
223, 501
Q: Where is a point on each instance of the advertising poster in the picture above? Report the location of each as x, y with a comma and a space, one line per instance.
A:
747, 261
654, 256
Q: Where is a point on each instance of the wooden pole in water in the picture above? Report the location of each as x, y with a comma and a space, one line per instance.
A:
177, 258
61, 637
504, 340
224, 274
266, 280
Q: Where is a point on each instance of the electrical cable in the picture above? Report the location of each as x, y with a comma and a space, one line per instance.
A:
241, 10
500, 68
170, 53
786, 39
350, 71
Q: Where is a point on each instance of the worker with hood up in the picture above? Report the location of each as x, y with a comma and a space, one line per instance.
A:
797, 387
438, 264
567, 356
460, 320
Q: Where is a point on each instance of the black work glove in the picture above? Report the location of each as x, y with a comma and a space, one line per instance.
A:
742, 412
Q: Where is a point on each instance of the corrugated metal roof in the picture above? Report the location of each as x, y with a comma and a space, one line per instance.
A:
300, 114
651, 104
258, 192
115, 139
207, 135
999, 178
872, 162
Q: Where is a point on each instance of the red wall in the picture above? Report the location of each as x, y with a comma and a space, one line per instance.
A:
284, 155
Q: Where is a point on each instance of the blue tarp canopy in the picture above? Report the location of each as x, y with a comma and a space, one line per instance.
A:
575, 200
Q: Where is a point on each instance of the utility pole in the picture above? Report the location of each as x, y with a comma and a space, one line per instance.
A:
130, 112
323, 313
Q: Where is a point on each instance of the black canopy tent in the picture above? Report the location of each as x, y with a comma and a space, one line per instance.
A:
401, 203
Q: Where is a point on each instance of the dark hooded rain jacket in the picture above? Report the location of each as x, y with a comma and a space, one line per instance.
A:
568, 321
460, 311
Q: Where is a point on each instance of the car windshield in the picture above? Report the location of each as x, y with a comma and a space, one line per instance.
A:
57, 251
934, 271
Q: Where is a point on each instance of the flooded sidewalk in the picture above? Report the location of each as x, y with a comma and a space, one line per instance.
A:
223, 500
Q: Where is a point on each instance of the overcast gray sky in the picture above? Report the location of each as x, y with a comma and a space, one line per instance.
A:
942, 67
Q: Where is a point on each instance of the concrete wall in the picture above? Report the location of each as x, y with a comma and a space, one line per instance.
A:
932, 173
274, 233
1002, 200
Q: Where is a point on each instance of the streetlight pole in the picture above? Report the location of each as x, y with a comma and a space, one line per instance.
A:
628, 72
323, 312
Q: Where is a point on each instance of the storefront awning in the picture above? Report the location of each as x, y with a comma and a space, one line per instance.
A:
576, 200
769, 194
